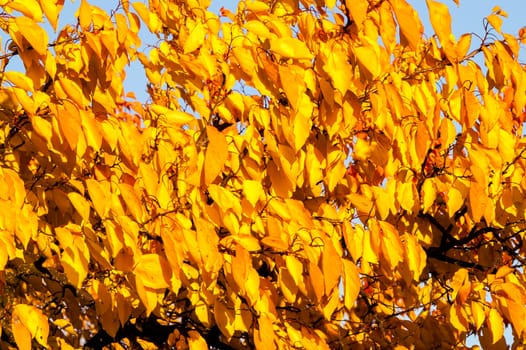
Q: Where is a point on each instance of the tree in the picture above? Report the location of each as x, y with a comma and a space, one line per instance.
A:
304, 174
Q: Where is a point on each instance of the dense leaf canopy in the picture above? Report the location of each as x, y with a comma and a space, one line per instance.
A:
304, 174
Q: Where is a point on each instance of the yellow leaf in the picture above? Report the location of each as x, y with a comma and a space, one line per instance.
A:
291, 48
225, 199
477, 310
215, 156
84, 14
147, 295
34, 34
224, 318
252, 190
173, 118
98, 196
81, 205
92, 130
455, 201
416, 256
196, 341
51, 9
29, 8
358, 11
153, 270
496, 22
195, 39
21, 334
429, 193
202, 313
371, 243
34, 321
391, 245
495, 324
351, 283
132, 200
73, 91
457, 317
478, 201
20, 80
264, 335
368, 58
410, 27
441, 22
295, 268
331, 266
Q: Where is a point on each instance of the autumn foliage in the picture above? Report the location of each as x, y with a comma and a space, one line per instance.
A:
304, 174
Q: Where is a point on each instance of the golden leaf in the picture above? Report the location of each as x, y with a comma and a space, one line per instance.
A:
215, 156
132, 200
195, 39
224, 318
147, 295
457, 317
478, 314
351, 283
416, 256
495, 324
429, 193
331, 266
295, 267
368, 58
410, 27
34, 321
81, 205
171, 117
51, 9
225, 199
291, 48
358, 11
153, 271
20, 80
196, 341
29, 8
441, 22
253, 190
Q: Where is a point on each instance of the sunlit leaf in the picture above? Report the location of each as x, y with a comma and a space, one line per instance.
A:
290, 48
